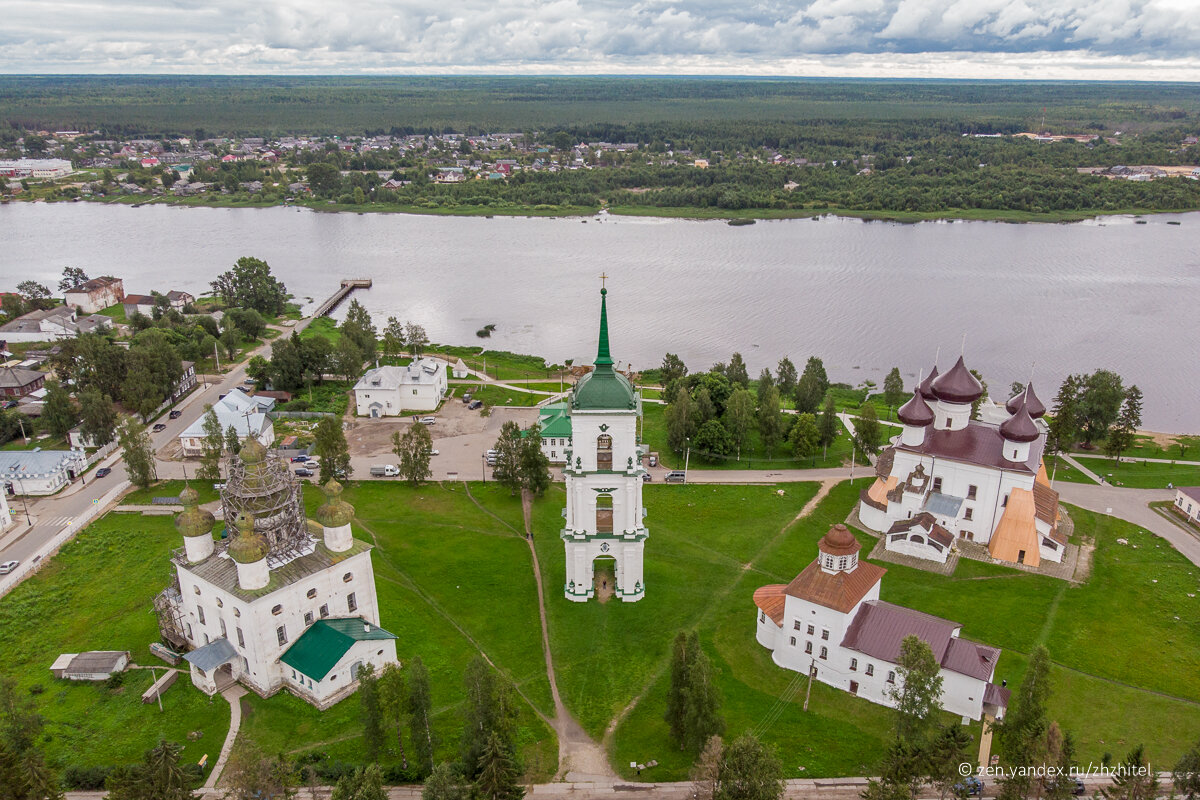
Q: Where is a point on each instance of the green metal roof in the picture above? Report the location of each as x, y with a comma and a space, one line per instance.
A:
554, 421
603, 388
320, 647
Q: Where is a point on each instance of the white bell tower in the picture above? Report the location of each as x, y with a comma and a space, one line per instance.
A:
604, 513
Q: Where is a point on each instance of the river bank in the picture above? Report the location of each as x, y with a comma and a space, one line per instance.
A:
685, 212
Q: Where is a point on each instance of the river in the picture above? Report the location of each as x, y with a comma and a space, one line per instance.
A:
1038, 299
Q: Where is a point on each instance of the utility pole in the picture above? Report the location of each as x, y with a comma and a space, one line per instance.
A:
157, 694
687, 456
812, 668
853, 452
217, 358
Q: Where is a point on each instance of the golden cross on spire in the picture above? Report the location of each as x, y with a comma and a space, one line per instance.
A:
603, 278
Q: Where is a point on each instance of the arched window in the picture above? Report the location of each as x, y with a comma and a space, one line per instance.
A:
604, 452
604, 513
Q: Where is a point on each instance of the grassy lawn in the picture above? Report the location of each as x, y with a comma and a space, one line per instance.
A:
74, 604
116, 314
1125, 644
170, 489
40, 442
500, 364
654, 434
331, 397
500, 396
1141, 474
1063, 471
1147, 447
324, 327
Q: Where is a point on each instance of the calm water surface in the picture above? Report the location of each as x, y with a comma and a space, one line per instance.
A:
1050, 299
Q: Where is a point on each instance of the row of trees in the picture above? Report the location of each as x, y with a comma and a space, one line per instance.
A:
1092, 407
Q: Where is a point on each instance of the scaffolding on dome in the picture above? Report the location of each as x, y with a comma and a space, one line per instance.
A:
260, 484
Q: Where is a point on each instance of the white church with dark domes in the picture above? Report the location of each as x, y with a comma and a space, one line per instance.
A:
604, 513
949, 478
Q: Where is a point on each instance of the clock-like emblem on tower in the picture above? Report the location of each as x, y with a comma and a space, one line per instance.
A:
604, 547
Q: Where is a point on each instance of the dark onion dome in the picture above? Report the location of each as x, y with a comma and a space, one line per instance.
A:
1027, 398
958, 385
916, 411
926, 387
603, 388
839, 541
1019, 427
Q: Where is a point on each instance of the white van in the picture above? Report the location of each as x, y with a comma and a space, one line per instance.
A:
384, 471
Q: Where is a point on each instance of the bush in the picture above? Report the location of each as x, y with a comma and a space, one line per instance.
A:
37, 689
115, 681
85, 778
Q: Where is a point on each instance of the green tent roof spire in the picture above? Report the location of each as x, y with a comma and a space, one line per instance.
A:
603, 357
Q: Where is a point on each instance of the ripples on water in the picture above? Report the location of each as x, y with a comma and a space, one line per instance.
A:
863, 296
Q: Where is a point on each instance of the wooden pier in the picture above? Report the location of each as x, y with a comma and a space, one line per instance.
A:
348, 286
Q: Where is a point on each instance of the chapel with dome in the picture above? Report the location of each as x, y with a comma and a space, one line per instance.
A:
279, 602
948, 478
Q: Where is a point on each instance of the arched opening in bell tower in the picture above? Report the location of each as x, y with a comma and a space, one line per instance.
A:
604, 513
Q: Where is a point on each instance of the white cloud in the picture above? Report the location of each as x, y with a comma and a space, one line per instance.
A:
1151, 38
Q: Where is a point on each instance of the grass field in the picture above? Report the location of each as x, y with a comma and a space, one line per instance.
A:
1141, 474
499, 364
1125, 644
331, 397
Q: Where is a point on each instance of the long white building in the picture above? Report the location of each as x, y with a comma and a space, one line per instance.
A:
949, 478
273, 607
389, 391
830, 623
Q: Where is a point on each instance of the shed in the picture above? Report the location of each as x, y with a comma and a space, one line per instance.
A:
96, 665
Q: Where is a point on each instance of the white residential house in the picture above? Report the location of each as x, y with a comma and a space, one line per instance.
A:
60, 322
283, 603
604, 519
554, 423
138, 304
246, 414
388, 391
1187, 501
40, 472
96, 294
830, 623
949, 478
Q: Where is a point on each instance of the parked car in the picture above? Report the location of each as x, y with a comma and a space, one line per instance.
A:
467, 397
176, 414
159, 427
1077, 787
428, 420
304, 472
10, 404
676, 477
8, 566
475, 404
299, 459
384, 471
647, 477
970, 786
103, 472
434, 452
654, 459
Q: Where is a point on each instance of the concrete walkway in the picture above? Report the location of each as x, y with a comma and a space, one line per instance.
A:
1091, 475
233, 695
1136, 459
1132, 505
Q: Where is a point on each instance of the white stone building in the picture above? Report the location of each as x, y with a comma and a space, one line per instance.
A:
604, 517
50, 324
1187, 501
830, 623
39, 473
274, 607
554, 424
96, 294
35, 168
949, 478
389, 391
246, 414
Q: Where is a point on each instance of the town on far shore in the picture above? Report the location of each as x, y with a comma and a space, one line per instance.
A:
283, 541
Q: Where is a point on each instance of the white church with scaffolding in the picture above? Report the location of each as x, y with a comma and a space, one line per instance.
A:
283, 602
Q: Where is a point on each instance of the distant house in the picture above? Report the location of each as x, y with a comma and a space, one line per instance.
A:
96, 294
245, 414
139, 304
1187, 502
60, 322
39, 472
97, 665
460, 369
387, 391
17, 382
179, 300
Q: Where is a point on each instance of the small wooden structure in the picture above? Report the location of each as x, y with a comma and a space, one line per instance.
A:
159, 686
96, 665
160, 650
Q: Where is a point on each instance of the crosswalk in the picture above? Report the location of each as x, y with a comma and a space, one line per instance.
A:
54, 522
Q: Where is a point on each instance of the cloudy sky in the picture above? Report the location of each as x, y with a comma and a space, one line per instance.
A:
1101, 39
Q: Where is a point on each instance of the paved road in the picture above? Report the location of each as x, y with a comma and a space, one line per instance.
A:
52, 514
